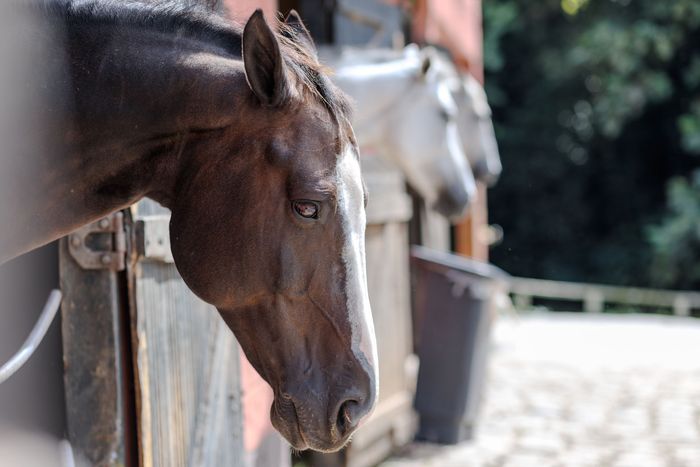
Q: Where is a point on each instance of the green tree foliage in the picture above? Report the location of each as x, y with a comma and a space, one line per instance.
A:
676, 240
597, 107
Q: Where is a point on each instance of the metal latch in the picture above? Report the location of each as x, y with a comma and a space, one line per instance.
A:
101, 244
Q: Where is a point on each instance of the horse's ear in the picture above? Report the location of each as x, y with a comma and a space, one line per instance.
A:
301, 35
411, 50
264, 65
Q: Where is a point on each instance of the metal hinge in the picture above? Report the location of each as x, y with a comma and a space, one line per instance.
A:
101, 244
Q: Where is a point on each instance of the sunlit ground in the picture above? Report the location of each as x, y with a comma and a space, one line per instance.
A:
580, 390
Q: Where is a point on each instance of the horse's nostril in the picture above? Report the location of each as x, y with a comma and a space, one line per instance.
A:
347, 417
341, 422
453, 202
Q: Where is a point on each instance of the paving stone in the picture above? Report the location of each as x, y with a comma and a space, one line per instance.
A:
639, 459
524, 423
584, 456
544, 444
676, 420
629, 422
581, 391
686, 456
518, 459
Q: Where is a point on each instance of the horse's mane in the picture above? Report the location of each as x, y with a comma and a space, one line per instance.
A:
199, 20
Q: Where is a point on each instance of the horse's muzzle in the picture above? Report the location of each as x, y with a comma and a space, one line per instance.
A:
453, 201
487, 172
310, 421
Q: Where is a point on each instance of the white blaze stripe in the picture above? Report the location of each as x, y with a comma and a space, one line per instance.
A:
352, 213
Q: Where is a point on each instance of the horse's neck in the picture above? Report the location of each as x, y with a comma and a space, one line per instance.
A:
137, 96
377, 90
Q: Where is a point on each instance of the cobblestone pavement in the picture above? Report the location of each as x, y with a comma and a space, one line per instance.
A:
573, 390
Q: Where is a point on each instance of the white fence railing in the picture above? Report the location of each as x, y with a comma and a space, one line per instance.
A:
595, 296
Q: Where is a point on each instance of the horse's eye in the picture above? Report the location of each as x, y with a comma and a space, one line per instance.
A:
306, 209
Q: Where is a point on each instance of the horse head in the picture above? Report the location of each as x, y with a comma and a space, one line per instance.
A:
428, 137
476, 130
473, 115
405, 110
268, 226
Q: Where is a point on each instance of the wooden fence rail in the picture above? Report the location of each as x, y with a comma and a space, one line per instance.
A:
595, 296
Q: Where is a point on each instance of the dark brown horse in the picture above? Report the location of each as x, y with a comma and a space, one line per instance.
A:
242, 136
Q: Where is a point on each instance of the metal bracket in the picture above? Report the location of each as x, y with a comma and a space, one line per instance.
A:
152, 238
112, 258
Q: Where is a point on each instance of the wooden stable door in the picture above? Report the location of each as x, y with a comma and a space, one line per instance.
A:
186, 360
152, 372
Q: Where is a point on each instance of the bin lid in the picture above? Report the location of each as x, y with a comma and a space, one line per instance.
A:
444, 261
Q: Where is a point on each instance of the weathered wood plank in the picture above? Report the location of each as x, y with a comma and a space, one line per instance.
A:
388, 201
187, 367
434, 228
95, 363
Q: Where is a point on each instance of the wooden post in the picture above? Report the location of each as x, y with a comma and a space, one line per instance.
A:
457, 25
469, 234
681, 306
593, 301
522, 302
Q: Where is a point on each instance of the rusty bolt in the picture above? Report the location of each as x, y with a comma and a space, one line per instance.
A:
106, 259
75, 240
104, 223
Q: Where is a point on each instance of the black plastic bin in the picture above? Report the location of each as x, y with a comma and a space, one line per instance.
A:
453, 306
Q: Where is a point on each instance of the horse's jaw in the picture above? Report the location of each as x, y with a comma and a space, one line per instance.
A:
322, 390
